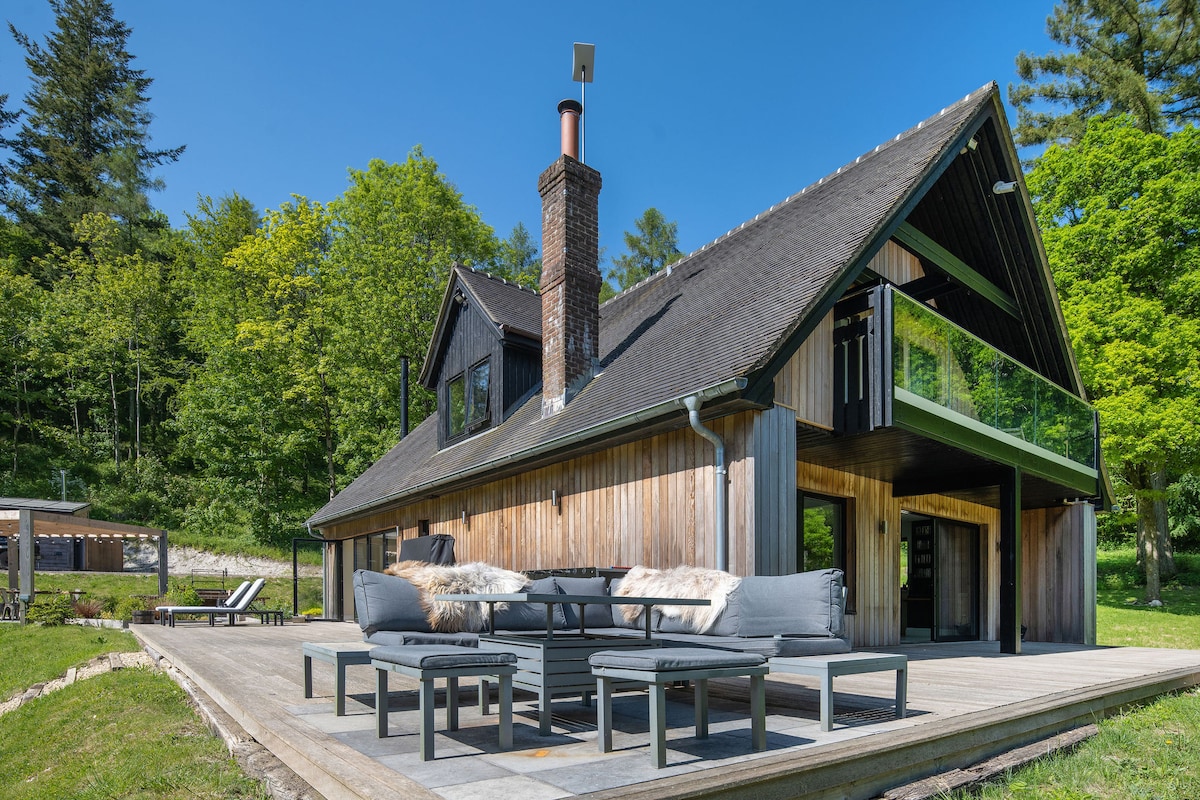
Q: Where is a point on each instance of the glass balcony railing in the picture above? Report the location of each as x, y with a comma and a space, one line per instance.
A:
935, 359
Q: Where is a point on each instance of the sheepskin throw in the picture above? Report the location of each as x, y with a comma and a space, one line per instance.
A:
475, 577
681, 582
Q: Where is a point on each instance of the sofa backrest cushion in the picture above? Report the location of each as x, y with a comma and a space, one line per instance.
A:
594, 616
387, 603
531, 616
803, 604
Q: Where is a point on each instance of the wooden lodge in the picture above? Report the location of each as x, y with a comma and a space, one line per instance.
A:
873, 374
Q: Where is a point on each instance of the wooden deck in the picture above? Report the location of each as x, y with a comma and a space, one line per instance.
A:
966, 702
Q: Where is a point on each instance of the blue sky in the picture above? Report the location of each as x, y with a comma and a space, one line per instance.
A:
711, 112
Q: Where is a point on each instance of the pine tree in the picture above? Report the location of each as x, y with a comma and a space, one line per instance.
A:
654, 246
83, 145
1133, 57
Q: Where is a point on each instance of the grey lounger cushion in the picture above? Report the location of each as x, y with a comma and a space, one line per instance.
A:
387, 603
594, 616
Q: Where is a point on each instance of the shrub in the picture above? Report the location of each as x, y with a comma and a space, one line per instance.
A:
315, 611
126, 606
53, 610
89, 608
181, 594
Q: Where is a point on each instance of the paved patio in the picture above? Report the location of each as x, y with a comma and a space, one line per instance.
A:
966, 702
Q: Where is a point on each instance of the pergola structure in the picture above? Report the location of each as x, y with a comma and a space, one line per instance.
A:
22, 525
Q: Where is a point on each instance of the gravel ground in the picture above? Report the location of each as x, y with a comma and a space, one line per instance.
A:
182, 560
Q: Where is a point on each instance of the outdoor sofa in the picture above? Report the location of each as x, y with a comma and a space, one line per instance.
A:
783, 616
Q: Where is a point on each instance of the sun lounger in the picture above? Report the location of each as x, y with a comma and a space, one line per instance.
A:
241, 605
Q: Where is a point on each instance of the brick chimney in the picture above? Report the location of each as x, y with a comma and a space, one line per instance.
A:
570, 269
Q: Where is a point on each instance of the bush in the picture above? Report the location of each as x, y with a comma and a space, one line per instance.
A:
53, 610
89, 608
181, 594
126, 606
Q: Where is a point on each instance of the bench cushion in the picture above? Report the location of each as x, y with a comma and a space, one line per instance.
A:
531, 616
387, 603
661, 659
802, 604
767, 646
396, 638
441, 656
594, 616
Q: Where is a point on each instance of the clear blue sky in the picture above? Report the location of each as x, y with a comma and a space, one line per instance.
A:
711, 112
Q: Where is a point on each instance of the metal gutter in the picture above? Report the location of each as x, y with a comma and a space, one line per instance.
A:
720, 515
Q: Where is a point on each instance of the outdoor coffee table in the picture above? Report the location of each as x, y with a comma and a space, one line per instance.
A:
340, 655
828, 667
556, 662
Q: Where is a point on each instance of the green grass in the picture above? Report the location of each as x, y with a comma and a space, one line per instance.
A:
1152, 751
277, 593
34, 654
129, 734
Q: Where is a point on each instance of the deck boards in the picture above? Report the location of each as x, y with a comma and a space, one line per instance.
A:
963, 698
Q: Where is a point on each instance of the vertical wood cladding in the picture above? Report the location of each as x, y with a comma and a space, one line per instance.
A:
648, 502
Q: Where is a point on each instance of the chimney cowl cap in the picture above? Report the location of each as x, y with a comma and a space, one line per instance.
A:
570, 105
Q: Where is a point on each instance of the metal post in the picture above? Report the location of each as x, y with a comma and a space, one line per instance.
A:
162, 563
25, 534
1010, 562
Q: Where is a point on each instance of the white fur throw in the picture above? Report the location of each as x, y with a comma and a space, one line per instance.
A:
681, 582
475, 577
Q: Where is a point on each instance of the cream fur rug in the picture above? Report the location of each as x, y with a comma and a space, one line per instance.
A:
689, 582
475, 577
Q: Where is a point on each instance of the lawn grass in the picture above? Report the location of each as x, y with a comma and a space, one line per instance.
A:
128, 734
32, 654
276, 593
1152, 751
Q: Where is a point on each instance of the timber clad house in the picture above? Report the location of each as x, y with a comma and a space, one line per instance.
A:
873, 374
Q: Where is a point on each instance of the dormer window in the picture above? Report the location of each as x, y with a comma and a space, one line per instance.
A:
467, 400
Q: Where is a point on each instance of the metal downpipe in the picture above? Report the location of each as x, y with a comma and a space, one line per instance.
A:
721, 516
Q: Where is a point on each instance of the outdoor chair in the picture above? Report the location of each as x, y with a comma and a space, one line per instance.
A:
240, 606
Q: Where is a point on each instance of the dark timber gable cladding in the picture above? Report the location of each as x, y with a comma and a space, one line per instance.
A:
735, 310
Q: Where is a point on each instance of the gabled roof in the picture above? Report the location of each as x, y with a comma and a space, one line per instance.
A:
511, 309
719, 322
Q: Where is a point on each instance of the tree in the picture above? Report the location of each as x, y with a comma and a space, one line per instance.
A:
517, 258
654, 246
83, 146
1131, 57
397, 230
1120, 215
257, 415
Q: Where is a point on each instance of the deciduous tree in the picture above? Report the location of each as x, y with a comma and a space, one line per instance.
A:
1120, 215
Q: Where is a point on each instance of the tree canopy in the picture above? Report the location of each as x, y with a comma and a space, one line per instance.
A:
1135, 57
654, 246
1120, 215
83, 145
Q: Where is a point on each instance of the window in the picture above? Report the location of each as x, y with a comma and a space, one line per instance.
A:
825, 537
467, 400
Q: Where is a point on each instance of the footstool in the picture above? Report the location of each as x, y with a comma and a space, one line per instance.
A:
427, 662
660, 666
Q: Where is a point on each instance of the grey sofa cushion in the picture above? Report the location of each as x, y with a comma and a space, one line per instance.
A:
442, 656
804, 604
594, 616
673, 658
765, 646
387, 603
403, 638
531, 616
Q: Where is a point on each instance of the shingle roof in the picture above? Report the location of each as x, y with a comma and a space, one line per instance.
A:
508, 305
720, 314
